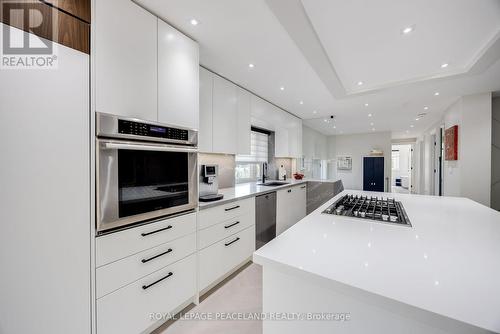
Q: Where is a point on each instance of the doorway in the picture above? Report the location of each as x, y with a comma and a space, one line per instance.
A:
402, 168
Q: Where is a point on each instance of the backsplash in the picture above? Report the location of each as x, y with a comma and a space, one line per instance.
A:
226, 164
274, 165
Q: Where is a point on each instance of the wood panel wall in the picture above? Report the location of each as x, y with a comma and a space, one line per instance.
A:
72, 17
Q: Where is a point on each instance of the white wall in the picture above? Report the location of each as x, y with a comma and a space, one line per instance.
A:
357, 146
470, 175
452, 171
495, 155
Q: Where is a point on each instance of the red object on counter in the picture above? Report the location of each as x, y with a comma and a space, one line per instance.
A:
298, 176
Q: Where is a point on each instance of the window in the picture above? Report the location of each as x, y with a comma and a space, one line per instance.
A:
395, 159
249, 167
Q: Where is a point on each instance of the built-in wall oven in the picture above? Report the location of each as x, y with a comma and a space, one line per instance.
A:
145, 171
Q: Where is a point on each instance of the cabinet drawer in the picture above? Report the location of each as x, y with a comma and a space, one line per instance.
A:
217, 260
115, 246
122, 272
219, 231
221, 213
129, 309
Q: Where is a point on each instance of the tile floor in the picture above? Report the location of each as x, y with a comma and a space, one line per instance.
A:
241, 292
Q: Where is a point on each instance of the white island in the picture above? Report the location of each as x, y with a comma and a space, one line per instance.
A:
442, 275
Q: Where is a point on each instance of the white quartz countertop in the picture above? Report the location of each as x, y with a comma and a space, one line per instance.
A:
447, 263
245, 190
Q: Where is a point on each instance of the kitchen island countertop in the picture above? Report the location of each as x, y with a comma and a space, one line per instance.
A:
447, 263
250, 189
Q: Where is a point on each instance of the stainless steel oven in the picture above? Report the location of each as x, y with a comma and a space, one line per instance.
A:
145, 170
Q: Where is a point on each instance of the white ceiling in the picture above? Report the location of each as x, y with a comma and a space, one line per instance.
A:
319, 49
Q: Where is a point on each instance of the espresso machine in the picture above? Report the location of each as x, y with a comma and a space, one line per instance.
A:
209, 184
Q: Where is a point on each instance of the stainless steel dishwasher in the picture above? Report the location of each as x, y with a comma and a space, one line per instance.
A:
265, 219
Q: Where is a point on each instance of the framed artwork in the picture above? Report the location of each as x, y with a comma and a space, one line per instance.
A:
451, 143
344, 162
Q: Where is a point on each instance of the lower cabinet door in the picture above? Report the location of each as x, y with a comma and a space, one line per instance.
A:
220, 258
139, 305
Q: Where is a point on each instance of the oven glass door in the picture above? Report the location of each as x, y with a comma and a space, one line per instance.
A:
140, 182
151, 180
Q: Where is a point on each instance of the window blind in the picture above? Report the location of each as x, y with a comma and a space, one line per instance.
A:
258, 149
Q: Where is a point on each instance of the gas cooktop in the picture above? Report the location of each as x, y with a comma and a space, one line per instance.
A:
386, 210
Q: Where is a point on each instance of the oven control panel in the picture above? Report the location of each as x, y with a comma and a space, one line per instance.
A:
148, 130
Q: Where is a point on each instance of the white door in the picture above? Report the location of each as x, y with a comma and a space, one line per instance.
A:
178, 78
224, 123
205, 128
125, 60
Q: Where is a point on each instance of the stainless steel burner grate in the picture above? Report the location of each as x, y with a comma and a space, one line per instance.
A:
379, 209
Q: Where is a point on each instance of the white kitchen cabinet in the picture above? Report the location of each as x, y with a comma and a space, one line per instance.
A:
224, 256
226, 240
315, 144
205, 129
45, 193
290, 207
244, 123
263, 114
128, 310
224, 117
178, 78
288, 136
125, 60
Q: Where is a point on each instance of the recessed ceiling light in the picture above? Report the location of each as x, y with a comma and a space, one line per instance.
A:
407, 131
315, 112
282, 88
426, 108
417, 119
436, 93
360, 83
301, 102
326, 120
366, 104
408, 30
371, 124
373, 129
445, 65
194, 22
251, 65
411, 126
369, 115
334, 127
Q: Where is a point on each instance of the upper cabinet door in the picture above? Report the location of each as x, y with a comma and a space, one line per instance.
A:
178, 78
125, 60
224, 121
206, 93
244, 127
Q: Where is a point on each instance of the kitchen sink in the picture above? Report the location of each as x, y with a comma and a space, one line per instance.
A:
273, 183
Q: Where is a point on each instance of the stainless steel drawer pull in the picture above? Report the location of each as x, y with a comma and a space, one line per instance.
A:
234, 207
232, 242
228, 226
158, 281
156, 256
161, 229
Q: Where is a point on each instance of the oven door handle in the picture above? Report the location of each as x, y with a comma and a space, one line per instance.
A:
111, 145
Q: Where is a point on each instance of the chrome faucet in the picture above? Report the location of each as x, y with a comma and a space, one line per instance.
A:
264, 172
